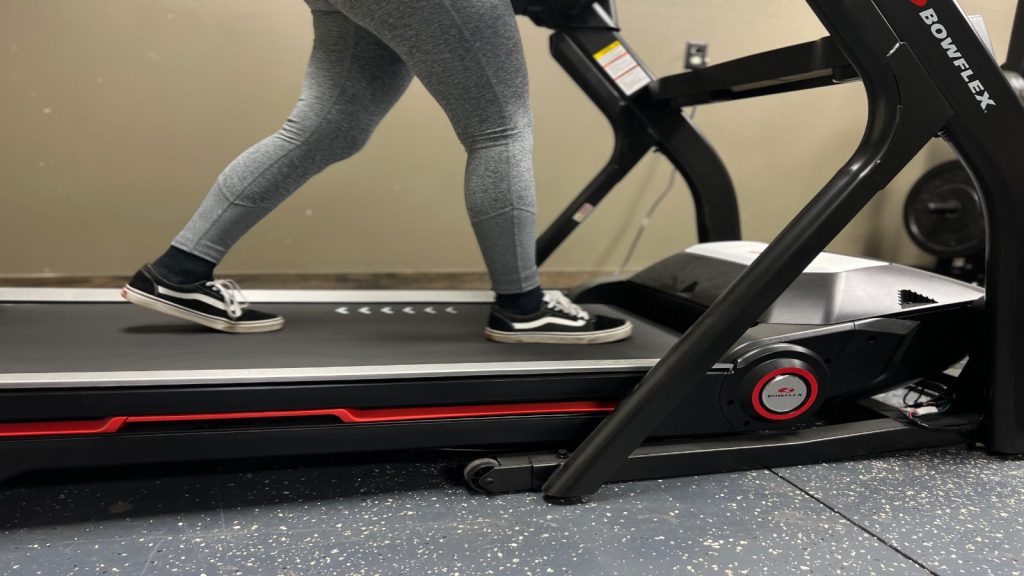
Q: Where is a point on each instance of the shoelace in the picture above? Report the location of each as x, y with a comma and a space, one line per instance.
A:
558, 301
232, 294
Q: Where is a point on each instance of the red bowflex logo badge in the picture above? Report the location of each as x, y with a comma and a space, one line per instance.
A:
786, 390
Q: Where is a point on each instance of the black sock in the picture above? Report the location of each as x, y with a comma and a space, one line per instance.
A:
182, 267
521, 304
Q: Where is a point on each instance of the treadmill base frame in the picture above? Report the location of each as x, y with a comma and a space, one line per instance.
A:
886, 432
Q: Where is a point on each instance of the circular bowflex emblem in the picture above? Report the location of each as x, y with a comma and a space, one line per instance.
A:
785, 393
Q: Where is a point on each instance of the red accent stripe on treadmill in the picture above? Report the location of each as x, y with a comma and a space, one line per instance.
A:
346, 415
63, 427
446, 412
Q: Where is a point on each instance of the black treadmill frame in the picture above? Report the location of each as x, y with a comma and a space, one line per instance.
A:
872, 428
914, 92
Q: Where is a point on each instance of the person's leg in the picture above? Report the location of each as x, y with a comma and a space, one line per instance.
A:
352, 81
469, 56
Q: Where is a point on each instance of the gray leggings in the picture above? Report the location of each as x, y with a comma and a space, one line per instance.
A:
469, 56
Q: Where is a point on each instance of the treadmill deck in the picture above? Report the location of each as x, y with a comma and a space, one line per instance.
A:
90, 344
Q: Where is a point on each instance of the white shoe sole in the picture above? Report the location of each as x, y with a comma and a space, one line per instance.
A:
146, 301
602, 337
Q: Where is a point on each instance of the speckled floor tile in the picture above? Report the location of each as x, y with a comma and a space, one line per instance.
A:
957, 511
110, 509
395, 516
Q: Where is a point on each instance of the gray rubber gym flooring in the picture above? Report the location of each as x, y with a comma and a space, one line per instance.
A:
947, 511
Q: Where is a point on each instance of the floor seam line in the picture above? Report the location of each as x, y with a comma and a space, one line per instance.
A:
863, 528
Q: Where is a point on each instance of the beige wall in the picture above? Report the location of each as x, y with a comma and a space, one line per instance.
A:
116, 116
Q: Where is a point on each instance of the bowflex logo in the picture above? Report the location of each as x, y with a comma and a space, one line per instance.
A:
966, 72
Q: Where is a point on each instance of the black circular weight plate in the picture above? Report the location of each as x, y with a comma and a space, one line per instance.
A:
943, 212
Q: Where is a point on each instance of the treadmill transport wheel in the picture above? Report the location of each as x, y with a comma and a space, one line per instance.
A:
476, 470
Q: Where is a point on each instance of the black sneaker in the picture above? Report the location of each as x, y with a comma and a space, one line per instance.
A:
559, 321
216, 304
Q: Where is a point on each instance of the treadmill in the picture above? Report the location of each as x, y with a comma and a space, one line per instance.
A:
745, 354
90, 380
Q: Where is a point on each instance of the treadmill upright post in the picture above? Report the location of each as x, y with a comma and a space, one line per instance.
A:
988, 133
905, 111
639, 123
632, 143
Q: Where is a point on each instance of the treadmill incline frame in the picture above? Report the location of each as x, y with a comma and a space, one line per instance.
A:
914, 92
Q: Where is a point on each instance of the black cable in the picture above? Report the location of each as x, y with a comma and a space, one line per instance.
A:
647, 221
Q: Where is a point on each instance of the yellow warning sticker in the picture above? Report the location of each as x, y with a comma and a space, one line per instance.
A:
622, 68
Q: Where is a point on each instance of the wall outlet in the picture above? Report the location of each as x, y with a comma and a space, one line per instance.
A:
696, 55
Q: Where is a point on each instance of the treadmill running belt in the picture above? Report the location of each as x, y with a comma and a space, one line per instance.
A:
67, 338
